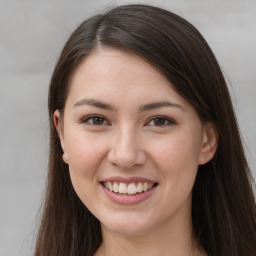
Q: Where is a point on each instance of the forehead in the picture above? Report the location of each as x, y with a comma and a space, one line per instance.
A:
119, 76
107, 61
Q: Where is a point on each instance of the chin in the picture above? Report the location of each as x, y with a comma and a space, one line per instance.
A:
127, 225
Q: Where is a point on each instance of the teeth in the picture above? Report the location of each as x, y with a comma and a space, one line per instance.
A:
131, 189
139, 187
110, 186
145, 187
116, 187
122, 188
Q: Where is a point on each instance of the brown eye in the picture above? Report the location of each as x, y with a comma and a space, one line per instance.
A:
95, 120
160, 121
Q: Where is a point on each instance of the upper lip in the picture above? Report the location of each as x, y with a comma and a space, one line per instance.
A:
128, 180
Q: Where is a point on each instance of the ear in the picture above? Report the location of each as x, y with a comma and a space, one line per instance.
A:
59, 127
209, 143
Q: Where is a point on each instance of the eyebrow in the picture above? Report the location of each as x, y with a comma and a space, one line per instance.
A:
160, 104
94, 103
146, 107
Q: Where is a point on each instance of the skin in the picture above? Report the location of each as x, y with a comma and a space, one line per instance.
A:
126, 142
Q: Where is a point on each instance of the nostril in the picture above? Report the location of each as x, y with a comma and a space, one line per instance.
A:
126, 159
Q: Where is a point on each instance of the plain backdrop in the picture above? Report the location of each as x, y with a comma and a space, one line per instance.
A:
32, 34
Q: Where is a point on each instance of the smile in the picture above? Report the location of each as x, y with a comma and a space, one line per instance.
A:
128, 189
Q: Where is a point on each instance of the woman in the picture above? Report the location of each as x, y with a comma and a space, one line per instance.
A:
145, 152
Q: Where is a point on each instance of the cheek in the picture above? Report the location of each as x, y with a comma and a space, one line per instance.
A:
177, 160
84, 156
178, 151
83, 150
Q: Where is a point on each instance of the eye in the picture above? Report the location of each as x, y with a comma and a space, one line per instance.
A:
160, 121
95, 120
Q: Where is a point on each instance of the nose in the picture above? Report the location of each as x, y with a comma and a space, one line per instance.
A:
126, 151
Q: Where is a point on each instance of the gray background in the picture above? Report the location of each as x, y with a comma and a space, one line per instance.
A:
32, 34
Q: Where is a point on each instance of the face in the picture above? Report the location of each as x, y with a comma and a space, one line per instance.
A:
133, 145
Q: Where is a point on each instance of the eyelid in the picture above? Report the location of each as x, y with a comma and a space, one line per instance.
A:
85, 120
170, 121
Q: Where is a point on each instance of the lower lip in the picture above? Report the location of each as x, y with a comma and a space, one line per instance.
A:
128, 200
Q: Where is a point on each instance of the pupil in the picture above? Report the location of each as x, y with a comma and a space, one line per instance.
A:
97, 120
159, 121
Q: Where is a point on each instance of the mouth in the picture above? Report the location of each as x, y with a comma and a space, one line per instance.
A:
128, 189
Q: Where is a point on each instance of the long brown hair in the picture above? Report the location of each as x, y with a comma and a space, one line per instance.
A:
223, 207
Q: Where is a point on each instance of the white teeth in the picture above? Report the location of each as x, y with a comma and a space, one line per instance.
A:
139, 187
110, 186
122, 188
116, 187
145, 187
131, 189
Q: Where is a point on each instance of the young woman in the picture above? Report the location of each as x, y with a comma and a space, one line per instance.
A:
145, 153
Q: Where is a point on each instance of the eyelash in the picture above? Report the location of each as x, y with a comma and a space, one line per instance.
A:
89, 118
167, 121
